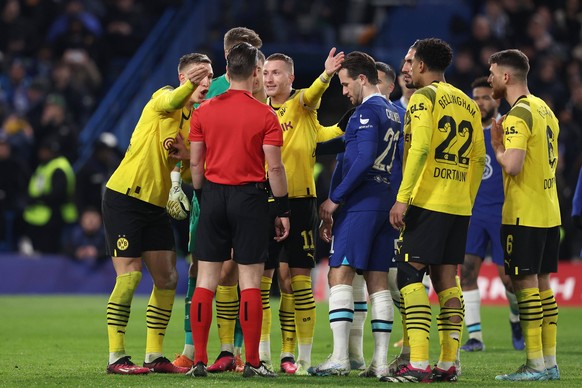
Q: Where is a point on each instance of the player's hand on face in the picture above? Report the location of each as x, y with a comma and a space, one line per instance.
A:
325, 230
333, 61
397, 214
179, 150
282, 226
197, 73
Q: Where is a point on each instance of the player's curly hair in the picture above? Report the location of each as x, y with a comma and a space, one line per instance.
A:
435, 53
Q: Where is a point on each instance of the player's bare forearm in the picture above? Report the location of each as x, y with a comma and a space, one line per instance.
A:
197, 157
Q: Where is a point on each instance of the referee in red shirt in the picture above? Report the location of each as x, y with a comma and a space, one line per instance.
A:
232, 135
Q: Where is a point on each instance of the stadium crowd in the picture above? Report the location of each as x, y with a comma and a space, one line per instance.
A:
58, 58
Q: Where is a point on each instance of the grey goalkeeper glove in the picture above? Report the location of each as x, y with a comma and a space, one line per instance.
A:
178, 204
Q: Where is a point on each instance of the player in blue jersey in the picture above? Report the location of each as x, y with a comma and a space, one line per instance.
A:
386, 79
361, 229
484, 231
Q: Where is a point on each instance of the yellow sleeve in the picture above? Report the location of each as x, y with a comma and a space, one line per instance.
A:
419, 110
167, 99
311, 96
327, 133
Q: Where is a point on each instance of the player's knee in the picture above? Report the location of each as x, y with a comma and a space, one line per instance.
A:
168, 281
407, 274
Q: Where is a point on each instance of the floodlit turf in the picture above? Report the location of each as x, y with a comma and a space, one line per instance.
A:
62, 341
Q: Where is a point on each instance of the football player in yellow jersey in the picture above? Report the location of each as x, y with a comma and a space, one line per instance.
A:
525, 142
297, 113
137, 225
444, 158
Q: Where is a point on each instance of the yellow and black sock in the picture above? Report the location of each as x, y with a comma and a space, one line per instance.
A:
304, 315
227, 305
450, 324
405, 340
118, 310
549, 327
158, 315
531, 319
418, 321
266, 283
287, 321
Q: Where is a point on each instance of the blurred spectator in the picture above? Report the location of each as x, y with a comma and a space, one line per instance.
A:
86, 240
50, 207
463, 70
82, 31
79, 100
93, 175
76, 15
544, 81
36, 94
14, 175
519, 12
497, 18
481, 35
13, 85
18, 34
56, 123
306, 21
569, 23
40, 14
125, 29
20, 136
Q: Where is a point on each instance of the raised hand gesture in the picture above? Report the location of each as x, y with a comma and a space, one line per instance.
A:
333, 62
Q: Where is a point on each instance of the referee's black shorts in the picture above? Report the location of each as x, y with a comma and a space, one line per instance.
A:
233, 217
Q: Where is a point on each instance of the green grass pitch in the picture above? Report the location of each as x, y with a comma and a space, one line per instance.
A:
62, 341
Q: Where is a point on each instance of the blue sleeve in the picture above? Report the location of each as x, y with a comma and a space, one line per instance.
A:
336, 176
396, 172
366, 143
577, 202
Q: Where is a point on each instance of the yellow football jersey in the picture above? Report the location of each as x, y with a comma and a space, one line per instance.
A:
144, 172
444, 150
531, 197
301, 133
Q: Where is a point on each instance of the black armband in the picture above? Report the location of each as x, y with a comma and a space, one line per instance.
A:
282, 204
